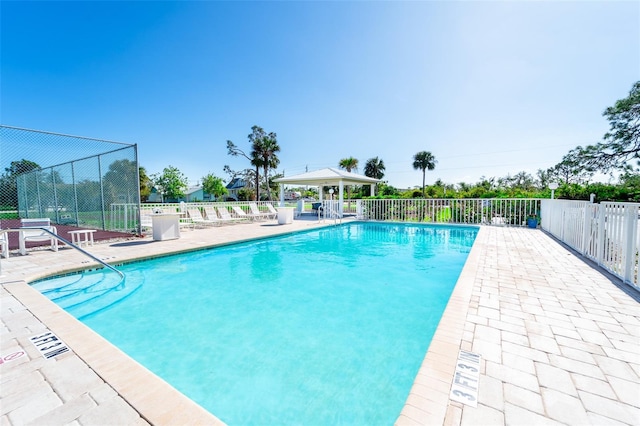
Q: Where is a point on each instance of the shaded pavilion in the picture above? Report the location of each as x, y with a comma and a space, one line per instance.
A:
327, 177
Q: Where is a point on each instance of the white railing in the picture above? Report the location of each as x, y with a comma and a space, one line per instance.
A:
495, 211
331, 210
607, 233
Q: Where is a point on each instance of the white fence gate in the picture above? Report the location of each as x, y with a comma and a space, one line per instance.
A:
607, 233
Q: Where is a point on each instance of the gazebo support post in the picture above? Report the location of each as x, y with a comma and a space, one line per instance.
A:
341, 199
281, 195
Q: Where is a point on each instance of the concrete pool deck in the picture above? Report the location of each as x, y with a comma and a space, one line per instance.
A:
560, 342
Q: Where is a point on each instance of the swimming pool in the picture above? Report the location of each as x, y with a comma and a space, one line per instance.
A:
326, 326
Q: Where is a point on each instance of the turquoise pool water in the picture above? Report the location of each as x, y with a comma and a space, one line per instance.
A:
317, 328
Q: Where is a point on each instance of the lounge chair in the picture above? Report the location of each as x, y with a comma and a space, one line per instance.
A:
241, 213
30, 230
259, 214
272, 210
196, 217
212, 215
145, 219
226, 216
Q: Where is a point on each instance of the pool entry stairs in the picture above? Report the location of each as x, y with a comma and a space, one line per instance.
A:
83, 294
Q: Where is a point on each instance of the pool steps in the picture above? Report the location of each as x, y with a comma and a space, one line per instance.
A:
83, 295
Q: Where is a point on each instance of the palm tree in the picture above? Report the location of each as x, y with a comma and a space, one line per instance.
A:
424, 160
232, 149
264, 153
374, 168
349, 164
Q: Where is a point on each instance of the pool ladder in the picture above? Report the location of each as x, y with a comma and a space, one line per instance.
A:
332, 214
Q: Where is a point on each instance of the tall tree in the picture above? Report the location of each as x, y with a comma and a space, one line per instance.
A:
374, 168
172, 181
121, 182
621, 143
233, 150
264, 151
348, 164
211, 184
8, 184
424, 160
145, 184
570, 170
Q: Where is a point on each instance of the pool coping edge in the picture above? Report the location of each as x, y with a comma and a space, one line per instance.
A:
428, 402
153, 398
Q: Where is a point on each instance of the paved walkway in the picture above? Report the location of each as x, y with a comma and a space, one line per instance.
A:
559, 341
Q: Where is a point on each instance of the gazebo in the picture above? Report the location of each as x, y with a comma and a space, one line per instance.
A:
327, 177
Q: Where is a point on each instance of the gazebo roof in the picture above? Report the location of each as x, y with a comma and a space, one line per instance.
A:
327, 177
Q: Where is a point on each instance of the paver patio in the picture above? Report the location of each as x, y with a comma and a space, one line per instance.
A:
559, 340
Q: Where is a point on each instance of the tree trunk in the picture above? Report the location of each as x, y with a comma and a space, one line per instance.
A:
257, 183
266, 182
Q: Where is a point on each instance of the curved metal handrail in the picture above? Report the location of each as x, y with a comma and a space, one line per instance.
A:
80, 249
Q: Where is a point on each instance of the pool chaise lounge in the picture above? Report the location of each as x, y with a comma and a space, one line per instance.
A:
196, 217
226, 216
212, 215
242, 214
267, 215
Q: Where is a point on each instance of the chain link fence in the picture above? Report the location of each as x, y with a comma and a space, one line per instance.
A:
71, 180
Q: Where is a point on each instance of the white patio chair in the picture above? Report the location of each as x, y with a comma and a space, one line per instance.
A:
30, 230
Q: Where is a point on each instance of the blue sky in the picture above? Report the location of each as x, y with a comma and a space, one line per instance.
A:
490, 88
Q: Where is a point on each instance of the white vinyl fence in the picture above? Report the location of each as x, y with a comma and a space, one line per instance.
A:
494, 211
607, 233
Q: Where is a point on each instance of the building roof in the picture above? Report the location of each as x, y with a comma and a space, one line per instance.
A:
327, 177
236, 183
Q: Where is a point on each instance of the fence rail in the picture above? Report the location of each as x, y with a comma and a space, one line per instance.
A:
498, 211
607, 233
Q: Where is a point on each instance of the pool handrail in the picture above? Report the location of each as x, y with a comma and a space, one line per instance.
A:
80, 249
